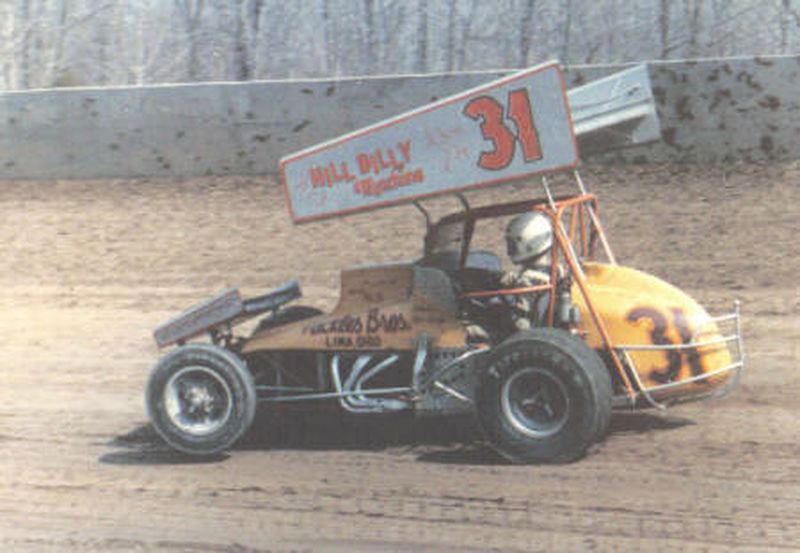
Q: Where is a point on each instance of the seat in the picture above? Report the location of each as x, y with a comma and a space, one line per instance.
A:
435, 285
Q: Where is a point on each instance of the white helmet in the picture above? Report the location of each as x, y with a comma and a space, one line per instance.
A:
528, 235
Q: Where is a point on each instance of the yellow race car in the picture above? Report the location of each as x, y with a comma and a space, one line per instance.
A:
399, 340
443, 333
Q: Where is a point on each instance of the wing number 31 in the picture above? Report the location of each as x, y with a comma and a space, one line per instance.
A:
494, 128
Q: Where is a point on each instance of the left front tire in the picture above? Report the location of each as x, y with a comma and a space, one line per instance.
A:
200, 399
545, 397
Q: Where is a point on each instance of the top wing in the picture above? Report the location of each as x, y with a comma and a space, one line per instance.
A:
510, 128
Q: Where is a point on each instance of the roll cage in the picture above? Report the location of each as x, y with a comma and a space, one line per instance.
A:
578, 237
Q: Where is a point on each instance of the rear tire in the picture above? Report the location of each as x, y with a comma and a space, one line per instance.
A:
201, 399
545, 397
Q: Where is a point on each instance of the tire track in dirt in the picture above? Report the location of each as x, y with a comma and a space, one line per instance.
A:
92, 267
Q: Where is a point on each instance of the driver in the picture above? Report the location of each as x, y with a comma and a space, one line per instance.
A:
529, 239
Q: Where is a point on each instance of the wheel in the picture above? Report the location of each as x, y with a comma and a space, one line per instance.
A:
545, 397
201, 398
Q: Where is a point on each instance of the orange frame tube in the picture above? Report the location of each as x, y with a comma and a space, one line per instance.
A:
562, 243
507, 291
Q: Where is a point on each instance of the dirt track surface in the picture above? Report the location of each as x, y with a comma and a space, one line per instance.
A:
90, 268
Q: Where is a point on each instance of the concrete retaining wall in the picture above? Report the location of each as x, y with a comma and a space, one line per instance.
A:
715, 110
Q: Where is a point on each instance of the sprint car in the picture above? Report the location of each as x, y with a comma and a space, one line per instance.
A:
398, 340
607, 336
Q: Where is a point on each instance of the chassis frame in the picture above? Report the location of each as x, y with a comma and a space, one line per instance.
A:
577, 234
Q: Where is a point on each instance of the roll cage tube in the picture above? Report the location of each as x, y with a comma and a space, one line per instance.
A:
583, 231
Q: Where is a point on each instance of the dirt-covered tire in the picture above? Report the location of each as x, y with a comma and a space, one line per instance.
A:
201, 399
544, 397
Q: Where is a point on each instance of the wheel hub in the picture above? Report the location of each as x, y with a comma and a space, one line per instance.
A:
535, 402
197, 400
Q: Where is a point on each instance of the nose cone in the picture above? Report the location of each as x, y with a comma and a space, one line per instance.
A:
656, 328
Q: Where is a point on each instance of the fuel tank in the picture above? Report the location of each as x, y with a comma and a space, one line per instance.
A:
657, 329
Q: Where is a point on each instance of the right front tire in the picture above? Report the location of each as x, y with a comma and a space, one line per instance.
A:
201, 399
545, 397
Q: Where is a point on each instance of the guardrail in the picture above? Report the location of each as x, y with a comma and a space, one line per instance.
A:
710, 110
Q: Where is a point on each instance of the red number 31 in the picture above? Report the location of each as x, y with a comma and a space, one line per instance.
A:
493, 128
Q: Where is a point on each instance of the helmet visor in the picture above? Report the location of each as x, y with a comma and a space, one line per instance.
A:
512, 247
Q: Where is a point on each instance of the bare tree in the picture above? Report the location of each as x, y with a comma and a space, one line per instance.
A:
392, 23
693, 10
70, 22
450, 43
190, 13
70, 42
525, 30
567, 33
24, 44
421, 61
788, 16
663, 27
368, 50
328, 37
247, 26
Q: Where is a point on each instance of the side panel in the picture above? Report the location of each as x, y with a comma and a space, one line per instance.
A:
379, 309
639, 309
